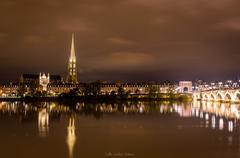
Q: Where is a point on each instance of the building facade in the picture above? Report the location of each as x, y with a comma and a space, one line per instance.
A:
185, 87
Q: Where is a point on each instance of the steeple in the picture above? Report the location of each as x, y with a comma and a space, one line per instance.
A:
72, 55
72, 70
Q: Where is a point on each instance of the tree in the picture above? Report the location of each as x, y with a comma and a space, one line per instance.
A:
113, 93
93, 88
121, 91
21, 90
171, 94
153, 92
137, 91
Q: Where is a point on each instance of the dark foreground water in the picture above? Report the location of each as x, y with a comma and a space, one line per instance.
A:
136, 130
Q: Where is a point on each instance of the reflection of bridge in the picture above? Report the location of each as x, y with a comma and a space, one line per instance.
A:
225, 110
217, 115
225, 95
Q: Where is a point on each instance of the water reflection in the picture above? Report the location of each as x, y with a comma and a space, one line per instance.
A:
71, 136
43, 122
219, 115
225, 113
220, 118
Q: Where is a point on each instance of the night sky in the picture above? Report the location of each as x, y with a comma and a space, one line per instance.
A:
121, 40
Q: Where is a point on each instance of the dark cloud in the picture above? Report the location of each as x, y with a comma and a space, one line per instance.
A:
122, 39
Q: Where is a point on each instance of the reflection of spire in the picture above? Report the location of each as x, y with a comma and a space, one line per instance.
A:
43, 122
71, 137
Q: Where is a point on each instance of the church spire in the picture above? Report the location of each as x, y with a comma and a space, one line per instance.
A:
72, 55
72, 70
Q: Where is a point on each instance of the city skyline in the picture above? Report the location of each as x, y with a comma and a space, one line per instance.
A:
122, 40
120, 78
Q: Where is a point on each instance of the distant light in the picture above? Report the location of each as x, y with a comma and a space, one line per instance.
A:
229, 81
201, 114
221, 125
213, 122
206, 116
230, 126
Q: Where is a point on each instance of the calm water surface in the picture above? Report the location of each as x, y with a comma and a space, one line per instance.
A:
136, 130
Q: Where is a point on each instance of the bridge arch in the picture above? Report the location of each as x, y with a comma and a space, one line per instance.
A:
185, 89
212, 97
219, 97
227, 97
230, 95
205, 96
196, 96
237, 96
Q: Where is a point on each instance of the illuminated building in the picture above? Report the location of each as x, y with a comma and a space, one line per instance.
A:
9, 90
30, 83
57, 89
134, 88
30, 79
72, 69
44, 81
185, 86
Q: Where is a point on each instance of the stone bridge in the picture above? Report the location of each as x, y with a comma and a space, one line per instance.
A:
221, 95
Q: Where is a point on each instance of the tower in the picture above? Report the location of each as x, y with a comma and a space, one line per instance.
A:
44, 80
72, 70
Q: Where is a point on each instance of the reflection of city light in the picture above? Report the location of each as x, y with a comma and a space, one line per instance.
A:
207, 122
206, 116
197, 113
201, 114
161, 109
222, 108
124, 108
230, 126
71, 137
43, 122
213, 122
230, 139
221, 124
141, 109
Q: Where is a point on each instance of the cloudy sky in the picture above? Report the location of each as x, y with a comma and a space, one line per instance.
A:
122, 40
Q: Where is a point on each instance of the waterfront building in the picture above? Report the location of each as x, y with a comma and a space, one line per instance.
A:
109, 88
35, 79
58, 89
185, 87
9, 90
136, 88
44, 81
31, 83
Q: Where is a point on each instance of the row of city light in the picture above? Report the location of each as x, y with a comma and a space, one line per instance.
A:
218, 85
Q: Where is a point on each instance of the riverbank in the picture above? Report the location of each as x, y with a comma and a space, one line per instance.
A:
100, 98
